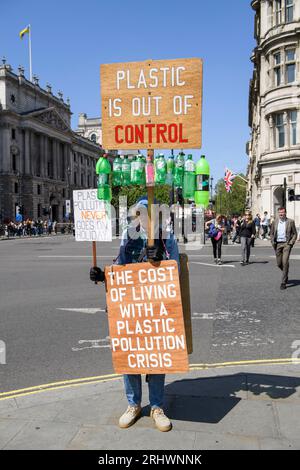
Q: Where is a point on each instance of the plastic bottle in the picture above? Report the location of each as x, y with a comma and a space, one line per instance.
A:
189, 178
126, 171
117, 172
179, 170
103, 170
170, 170
149, 170
160, 169
138, 171
202, 182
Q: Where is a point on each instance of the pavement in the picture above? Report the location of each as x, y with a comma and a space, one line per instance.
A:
250, 407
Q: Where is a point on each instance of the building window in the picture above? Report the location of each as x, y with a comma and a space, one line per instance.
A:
289, 11
280, 137
16, 188
75, 157
81, 180
278, 12
293, 127
39, 210
290, 61
14, 162
284, 67
277, 68
13, 134
94, 138
75, 178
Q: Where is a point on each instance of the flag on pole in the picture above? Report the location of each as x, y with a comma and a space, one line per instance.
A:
228, 178
24, 31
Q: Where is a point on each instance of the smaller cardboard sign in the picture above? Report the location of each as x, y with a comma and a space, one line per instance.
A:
92, 218
145, 315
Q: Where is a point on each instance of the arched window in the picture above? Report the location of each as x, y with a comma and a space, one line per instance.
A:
93, 138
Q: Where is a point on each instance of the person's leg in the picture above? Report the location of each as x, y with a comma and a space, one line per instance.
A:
133, 389
249, 243
214, 245
219, 243
279, 252
243, 249
156, 397
285, 263
156, 390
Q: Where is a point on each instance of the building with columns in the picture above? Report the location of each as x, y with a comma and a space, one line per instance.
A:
41, 158
274, 108
90, 128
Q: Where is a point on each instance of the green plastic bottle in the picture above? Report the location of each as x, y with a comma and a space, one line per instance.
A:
170, 170
126, 171
117, 172
179, 170
103, 170
138, 176
202, 182
189, 178
160, 169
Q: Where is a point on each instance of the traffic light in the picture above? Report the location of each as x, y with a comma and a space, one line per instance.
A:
291, 195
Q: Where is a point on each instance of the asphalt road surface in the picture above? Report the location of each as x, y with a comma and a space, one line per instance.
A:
54, 326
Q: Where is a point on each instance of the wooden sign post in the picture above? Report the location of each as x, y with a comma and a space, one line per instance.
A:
146, 324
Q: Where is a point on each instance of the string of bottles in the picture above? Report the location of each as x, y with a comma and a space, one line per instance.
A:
192, 177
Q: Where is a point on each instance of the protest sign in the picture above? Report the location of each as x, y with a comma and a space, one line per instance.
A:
146, 323
152, 104
92, 218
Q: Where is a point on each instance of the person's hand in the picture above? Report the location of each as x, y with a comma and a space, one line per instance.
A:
97, 275
154, 253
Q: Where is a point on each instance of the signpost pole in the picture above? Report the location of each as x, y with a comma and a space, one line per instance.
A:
150, 193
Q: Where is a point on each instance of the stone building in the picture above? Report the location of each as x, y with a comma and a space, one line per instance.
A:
91, 128
41, 158
274, 108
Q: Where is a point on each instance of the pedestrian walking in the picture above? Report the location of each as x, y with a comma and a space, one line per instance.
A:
283, 237
265, 223
247, 234
216, 229
135, 250
257, 221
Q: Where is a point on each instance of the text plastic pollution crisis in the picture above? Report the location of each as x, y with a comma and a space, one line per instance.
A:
152, 104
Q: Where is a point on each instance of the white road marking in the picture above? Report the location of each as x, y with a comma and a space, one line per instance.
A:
223, 256
74, 256
292, 257
91, 311
93, 343
214, 265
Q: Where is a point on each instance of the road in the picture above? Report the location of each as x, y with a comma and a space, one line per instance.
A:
54, 325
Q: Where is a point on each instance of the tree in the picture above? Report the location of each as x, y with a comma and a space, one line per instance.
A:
133, 193
233, 202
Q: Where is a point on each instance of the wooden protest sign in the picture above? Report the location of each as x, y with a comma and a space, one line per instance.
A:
92, 218
146, 324
152, 104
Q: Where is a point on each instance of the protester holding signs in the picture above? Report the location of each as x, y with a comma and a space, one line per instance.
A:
134, 249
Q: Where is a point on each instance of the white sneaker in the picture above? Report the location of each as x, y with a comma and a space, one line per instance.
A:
161, 420
130, 416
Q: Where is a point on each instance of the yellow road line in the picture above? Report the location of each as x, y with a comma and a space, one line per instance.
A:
112, 377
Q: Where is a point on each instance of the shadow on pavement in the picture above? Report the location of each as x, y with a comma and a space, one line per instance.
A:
209, 400
293, 283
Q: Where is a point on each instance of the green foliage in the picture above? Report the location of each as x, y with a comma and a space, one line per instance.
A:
133, 193
234, 202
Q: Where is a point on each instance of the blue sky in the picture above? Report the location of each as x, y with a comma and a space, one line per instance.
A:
70, 39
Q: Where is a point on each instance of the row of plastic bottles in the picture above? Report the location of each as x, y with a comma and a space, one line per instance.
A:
192, 177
